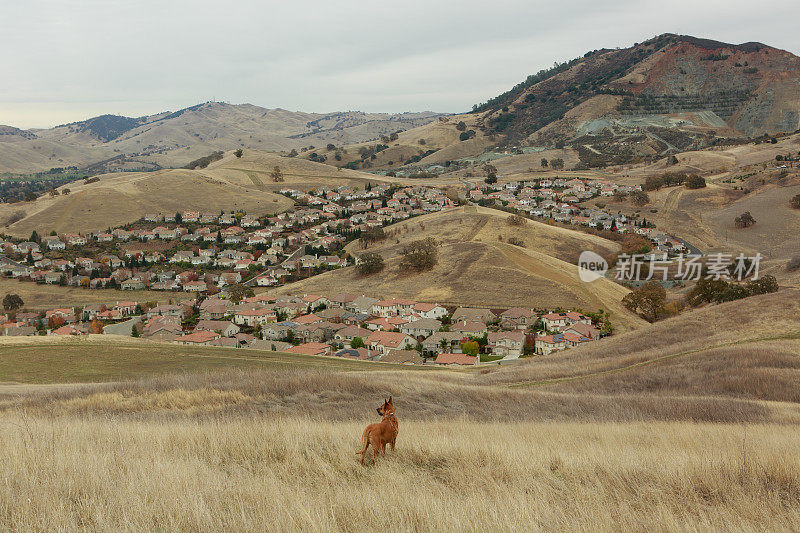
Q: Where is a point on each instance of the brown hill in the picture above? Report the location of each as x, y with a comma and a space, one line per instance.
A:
668, 82
172, 139
745, 349
230, 183
476, 268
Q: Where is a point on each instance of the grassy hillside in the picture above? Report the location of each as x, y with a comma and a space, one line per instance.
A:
705, 437
476, 268
750, 331
172, 139
38, 296
230, 183
105, 358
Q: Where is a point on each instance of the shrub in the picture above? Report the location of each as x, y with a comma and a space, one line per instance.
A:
795, 202
16, 216
369, 263
745, 220
516, 242
238, 153
648, 300
357, 343
420, 255
793, 264
639, 198
695, 182
203, 162
516, 220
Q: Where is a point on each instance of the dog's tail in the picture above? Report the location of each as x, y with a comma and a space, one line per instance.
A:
364, 442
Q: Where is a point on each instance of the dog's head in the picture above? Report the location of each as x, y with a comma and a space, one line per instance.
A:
387, 408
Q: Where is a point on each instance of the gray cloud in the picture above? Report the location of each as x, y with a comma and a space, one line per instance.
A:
66, 60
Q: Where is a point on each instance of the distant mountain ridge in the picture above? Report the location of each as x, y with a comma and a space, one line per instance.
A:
173, 138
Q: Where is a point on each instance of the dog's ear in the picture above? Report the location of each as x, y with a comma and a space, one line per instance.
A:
390, 399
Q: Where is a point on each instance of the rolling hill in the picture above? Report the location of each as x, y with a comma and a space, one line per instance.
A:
476, 268
230, 183
172, 139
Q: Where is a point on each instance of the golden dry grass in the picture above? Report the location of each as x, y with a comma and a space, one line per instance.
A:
290, 474
117, 199
704, 440
38, 296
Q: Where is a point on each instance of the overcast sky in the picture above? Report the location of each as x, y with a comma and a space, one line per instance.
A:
67, 60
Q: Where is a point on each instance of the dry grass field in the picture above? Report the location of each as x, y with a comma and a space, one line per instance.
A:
38, 296
300, 474
476, 268
689, 424
117, 199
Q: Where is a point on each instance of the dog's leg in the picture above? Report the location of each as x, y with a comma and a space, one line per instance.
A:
376, 451
392, 445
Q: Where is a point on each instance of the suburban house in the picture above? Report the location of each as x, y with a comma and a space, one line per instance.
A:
456, 359
507, 343
162, 328
424, 327
547, 344
471, 314
347, 334
225, 328
384, 341
310, 348
560, 321
475, 329
197, 337
254, 317
517, 318
430, 310
584, 330
403, 357
443, 341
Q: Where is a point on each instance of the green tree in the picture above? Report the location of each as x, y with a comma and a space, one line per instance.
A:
238, 153
357, 343
420, 255
544, 162
276, 174
369, 263
239, 292
12, 302
648, 300
557, 163
745, 220
461, 126
470, 347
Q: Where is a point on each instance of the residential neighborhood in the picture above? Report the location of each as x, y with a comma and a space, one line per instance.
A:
344, 325
557, 199
199, 252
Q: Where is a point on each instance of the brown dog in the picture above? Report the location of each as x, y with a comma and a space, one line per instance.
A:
380, 434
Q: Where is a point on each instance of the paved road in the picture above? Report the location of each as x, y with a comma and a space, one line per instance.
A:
692, 248
122, 328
